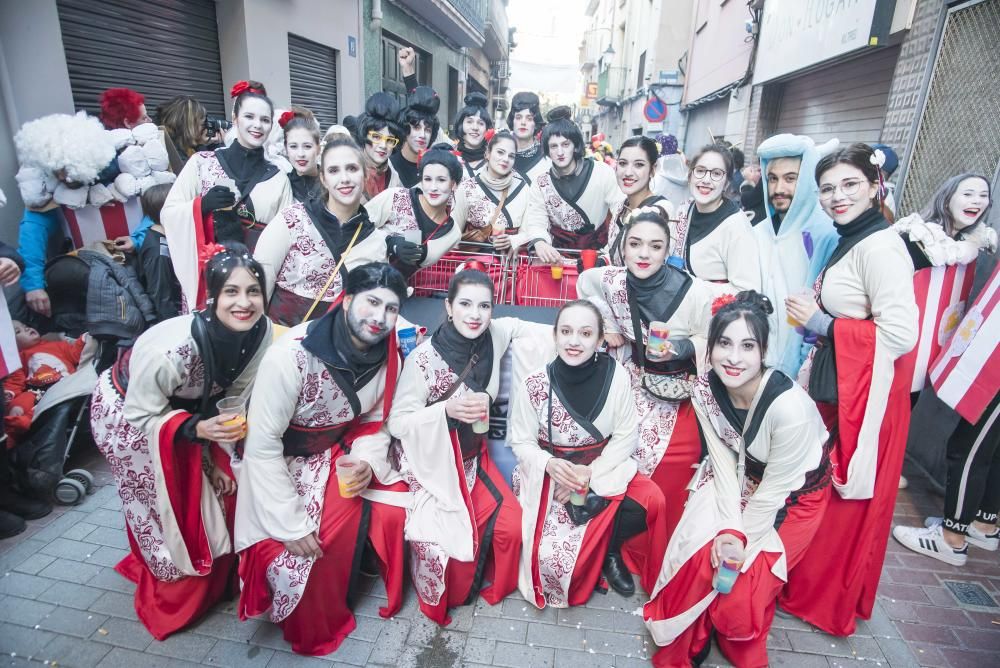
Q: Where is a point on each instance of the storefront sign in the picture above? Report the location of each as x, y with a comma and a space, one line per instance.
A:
795, 34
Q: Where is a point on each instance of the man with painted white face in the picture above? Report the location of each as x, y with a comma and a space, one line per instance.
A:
569, 205
795, 239
316, 485
420, 124
525, 122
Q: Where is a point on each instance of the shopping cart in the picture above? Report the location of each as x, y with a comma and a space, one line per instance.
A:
535, 285
433, 281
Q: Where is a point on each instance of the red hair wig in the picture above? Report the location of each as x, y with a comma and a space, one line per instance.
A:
119, 105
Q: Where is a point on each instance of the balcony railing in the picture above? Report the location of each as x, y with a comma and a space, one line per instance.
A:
474, 11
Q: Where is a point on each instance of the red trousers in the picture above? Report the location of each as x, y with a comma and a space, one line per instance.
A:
675, 470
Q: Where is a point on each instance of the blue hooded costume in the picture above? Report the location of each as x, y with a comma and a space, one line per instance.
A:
793, 258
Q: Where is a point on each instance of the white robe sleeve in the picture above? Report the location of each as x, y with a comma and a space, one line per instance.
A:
742, 256
272, 249
614, 468
380, 207
268, 505
523, 430
589, 286
727, 492
888, 280
535, 225
374, 448
460, 208
177, 218
153, 378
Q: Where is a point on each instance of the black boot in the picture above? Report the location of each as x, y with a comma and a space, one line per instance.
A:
617, 574
13, 502
10, 525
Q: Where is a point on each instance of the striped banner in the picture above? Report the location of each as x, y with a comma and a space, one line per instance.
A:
10, 360
89, 224
942, 293
966, 376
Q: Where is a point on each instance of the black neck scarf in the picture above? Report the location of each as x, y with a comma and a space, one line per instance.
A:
338, 235
528, 158
304, 187
472, 154
231, 351
656, 296
329, 339
582, 386
700, 225
456, 351
243, 164
856, 231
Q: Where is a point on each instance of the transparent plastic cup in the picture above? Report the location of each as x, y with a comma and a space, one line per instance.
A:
482, 425
234, 409
345, 467
804, 293
557, 272
730, 561
578, 497
657, 343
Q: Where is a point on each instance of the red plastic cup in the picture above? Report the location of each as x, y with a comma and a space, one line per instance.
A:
588, 258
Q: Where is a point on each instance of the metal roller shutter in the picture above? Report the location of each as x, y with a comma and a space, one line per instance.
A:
312, 70
846, 101
705, 122
160, 49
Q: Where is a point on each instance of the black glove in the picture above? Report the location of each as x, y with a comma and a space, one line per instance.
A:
683, 348
219, 197
406, 251
601, 262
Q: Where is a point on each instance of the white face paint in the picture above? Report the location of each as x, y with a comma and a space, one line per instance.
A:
737, 357
240, 304
253, 122
845, 193
577, 335
471, 310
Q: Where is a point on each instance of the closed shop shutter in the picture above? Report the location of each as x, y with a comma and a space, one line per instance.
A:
704, 123
160, 49
846, 101
312, 69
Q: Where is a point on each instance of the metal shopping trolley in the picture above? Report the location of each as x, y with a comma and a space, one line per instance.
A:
536, 285
432, 281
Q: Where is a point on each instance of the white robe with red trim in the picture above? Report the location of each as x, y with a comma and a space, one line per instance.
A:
201, 172
728, 257
475, 209
165, 363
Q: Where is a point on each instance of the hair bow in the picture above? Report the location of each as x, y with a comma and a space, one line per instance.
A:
285, 117
241, 87
721, 301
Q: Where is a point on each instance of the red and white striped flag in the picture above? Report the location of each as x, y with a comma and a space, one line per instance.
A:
966, 376
942, 293
110, 221
10, 360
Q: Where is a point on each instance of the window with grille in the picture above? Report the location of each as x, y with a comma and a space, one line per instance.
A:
312, 71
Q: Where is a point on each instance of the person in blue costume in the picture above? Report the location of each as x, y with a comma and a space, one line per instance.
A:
795, 240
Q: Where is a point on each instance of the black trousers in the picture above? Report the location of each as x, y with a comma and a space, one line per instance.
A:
973, 488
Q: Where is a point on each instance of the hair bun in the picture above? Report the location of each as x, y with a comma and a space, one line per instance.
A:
423, 99
560, 113
382, 105
524, 100
756, 300
476, 99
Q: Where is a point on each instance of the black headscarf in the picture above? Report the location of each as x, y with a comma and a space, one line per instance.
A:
231, 351
456, 350
854, 232
657, 294
581, 385
329, 339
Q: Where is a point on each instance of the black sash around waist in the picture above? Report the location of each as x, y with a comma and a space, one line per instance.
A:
300, 441
668, 368
577, 454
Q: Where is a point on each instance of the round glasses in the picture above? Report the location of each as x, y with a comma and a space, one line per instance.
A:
849, 188
714, 174
376, 137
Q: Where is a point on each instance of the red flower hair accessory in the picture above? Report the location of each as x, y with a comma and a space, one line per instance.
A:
207, 252
285, 117
489, 135
721, 301
241, 87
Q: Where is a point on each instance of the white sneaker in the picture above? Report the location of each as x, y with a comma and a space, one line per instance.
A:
984, 541
930, 542
903, 482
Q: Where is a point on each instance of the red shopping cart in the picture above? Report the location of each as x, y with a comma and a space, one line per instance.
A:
537, 284
433, 281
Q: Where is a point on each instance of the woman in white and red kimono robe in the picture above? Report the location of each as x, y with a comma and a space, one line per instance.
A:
309, 240
569, 206
465, 525
417, 220
763, 488
329, 386
573, 427
630, 298
636, 166
712, 234
153, 417
944, 242
866, 316
490, 205
202, 207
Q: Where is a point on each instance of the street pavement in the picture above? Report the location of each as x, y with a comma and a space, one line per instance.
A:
62, 604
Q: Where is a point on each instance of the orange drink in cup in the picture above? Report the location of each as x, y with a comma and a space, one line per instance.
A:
346, 466
804, 294
557, 272
234, 409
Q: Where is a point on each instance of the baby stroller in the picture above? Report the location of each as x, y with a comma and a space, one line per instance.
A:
61, 420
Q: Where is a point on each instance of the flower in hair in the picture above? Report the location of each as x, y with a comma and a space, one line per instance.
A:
241, 87
285, 118
489, 135
877, 158
721, 301
208, 251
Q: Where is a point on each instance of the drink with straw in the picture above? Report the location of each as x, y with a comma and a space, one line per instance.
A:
346, 467
730, 562
234, 409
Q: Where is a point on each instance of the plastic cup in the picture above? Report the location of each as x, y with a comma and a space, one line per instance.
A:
804, 293
345, 467
588, 258
407, 338
235, 410
730, 562
658, 335
482, 425
578, 497
557, 272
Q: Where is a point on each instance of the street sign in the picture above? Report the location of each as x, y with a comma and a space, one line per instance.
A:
655, 111
592, 91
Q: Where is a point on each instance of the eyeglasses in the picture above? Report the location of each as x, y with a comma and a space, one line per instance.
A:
849, 188
376, 137
714, 174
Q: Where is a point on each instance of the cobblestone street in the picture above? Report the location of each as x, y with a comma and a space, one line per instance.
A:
61, 603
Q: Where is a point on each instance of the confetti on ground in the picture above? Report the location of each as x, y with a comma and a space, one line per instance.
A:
103, 632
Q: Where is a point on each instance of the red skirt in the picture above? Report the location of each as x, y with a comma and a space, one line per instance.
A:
741, 618
323, 618
498, 530
674, 472
830, 593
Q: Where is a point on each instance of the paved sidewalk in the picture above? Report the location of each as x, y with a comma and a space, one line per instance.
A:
61, 603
